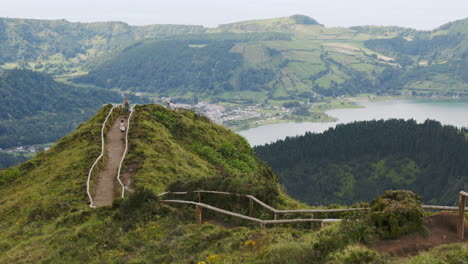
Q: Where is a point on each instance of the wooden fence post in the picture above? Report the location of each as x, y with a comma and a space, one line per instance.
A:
198, 214
312, 223
461, 215
250, 207
199, 197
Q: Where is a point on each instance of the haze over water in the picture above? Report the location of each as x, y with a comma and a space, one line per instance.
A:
448, 112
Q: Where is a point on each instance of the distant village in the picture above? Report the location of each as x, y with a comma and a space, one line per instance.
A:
220, 114
26, 149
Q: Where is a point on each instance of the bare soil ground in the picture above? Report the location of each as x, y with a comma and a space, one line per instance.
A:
104, 192
126, 177
442, 228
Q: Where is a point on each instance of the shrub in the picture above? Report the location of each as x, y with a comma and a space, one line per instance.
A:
139, 208
397, 213
167, 119
338, 237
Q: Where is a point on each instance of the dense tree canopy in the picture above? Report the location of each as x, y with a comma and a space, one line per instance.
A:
36, 109
358, 161
182, 65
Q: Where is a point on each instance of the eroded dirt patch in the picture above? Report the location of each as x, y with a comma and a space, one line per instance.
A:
442, 230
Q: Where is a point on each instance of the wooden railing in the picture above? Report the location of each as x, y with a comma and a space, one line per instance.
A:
263, 223
276, 213
199, 205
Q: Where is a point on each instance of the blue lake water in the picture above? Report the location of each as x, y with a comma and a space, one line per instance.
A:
449, 112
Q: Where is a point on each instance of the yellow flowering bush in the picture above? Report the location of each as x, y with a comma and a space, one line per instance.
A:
213, 258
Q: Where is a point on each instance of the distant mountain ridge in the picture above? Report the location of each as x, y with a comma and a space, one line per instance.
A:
309, 61
313, 60
58, 46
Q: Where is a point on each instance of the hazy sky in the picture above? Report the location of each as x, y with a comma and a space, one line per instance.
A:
420, 14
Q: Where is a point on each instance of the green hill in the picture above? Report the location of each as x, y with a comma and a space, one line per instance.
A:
45, 217
310, 60
282, 58
35, 109
434, 62
267, 25
61, 47
357, 161
268, 65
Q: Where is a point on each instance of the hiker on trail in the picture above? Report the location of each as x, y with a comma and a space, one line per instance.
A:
126, 107
171, 105
122, 128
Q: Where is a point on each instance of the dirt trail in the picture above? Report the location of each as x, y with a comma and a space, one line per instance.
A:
442, 228
104, 192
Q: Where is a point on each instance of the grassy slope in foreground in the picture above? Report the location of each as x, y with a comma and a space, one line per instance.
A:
44, 212
44, 216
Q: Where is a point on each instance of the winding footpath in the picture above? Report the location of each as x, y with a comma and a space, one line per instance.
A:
104, 192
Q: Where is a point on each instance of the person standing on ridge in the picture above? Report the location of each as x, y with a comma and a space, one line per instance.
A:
171, 105
122, 128
126, 107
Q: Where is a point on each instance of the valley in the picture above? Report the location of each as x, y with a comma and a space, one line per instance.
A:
263, 141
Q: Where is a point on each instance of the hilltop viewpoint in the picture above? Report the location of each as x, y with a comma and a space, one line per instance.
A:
45, 215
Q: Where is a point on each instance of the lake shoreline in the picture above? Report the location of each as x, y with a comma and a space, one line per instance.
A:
448, 111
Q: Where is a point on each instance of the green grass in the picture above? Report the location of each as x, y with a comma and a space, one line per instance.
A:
45, 217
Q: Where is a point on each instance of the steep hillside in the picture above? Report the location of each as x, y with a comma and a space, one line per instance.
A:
58, 46
434, 62
35, 109
45, 217
357, 161
312, 60
283, 58
296, 62
44, 208
448, 42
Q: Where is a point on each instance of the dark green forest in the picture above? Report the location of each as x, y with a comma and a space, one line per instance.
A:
358, 161
170, 66
202, 64
36, 109
10, 159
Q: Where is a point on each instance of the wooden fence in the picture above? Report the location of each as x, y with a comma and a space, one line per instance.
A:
276, 213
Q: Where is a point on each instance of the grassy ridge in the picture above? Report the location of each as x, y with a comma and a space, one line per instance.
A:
45, 218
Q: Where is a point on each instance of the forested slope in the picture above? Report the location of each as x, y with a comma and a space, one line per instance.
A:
357, 161
59, 46
309, 59
203, 66
36, 109
433, 61
249, 66
287, 58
